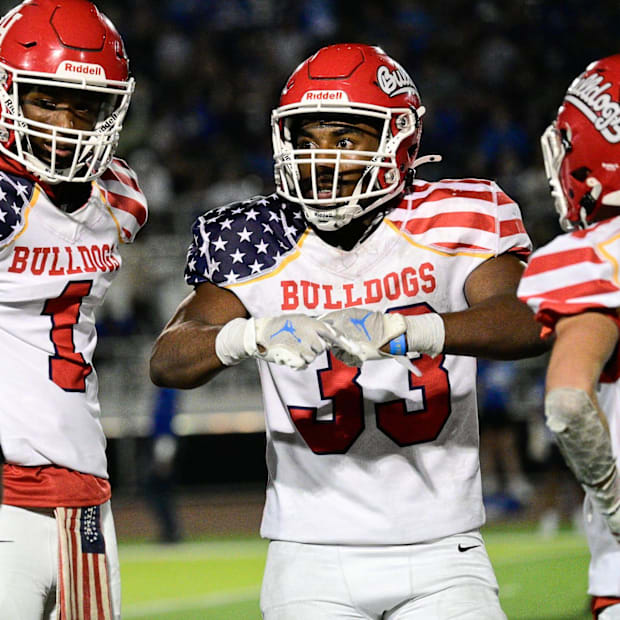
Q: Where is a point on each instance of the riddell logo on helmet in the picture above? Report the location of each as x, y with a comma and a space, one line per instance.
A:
73, 69
588, 94
325, 95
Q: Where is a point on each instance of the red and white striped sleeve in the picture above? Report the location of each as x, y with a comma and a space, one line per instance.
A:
574, 273
471, 215
129, 206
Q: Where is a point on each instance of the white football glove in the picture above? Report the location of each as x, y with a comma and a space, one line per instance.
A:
293, 340
362, 333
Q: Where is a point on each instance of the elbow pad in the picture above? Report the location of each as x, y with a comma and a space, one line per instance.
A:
585, 444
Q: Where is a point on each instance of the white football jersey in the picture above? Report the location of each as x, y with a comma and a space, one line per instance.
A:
55, 269
375, 455
574, 273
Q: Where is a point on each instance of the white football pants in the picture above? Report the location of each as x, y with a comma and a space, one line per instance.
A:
29, 562
610, 613
451, 578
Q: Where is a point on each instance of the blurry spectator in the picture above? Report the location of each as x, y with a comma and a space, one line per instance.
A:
504, 483
160, 475
502, 136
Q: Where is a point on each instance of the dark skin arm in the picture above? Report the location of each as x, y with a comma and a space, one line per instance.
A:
184, 353
496, 325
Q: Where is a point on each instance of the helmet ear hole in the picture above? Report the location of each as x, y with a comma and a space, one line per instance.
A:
565, 137
581, 174
412, 150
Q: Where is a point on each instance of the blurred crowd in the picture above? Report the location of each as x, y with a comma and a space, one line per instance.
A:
209, 72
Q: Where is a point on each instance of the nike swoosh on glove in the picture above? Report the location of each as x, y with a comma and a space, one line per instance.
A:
362, 333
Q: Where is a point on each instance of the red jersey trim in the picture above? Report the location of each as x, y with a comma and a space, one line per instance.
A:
50, 486
566, 297
124, 176
441, 193
599, 603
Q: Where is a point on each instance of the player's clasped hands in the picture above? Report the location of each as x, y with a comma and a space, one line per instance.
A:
354, 336
361, 333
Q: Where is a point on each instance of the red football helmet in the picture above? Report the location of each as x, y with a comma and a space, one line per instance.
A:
64, 44
581, 148
360, 81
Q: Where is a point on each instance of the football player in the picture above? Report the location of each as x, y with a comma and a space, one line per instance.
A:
66, 205
365, 295
572, 284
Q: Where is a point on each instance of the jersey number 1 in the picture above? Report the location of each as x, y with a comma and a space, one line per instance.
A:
68, 368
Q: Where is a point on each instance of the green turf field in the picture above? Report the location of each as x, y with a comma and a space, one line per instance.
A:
540, 579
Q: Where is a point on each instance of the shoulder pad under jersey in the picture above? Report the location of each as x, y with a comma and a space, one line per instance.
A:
242, 240
119, 184
15, 196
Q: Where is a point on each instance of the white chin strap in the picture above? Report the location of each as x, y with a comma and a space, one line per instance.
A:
334, 218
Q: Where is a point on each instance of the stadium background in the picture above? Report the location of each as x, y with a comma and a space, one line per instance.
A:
208, 73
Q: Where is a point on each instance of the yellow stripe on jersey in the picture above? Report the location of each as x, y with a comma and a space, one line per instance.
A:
610, 256
108, 207
33, 200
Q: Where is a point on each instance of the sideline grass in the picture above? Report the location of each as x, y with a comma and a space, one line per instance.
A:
540, 579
